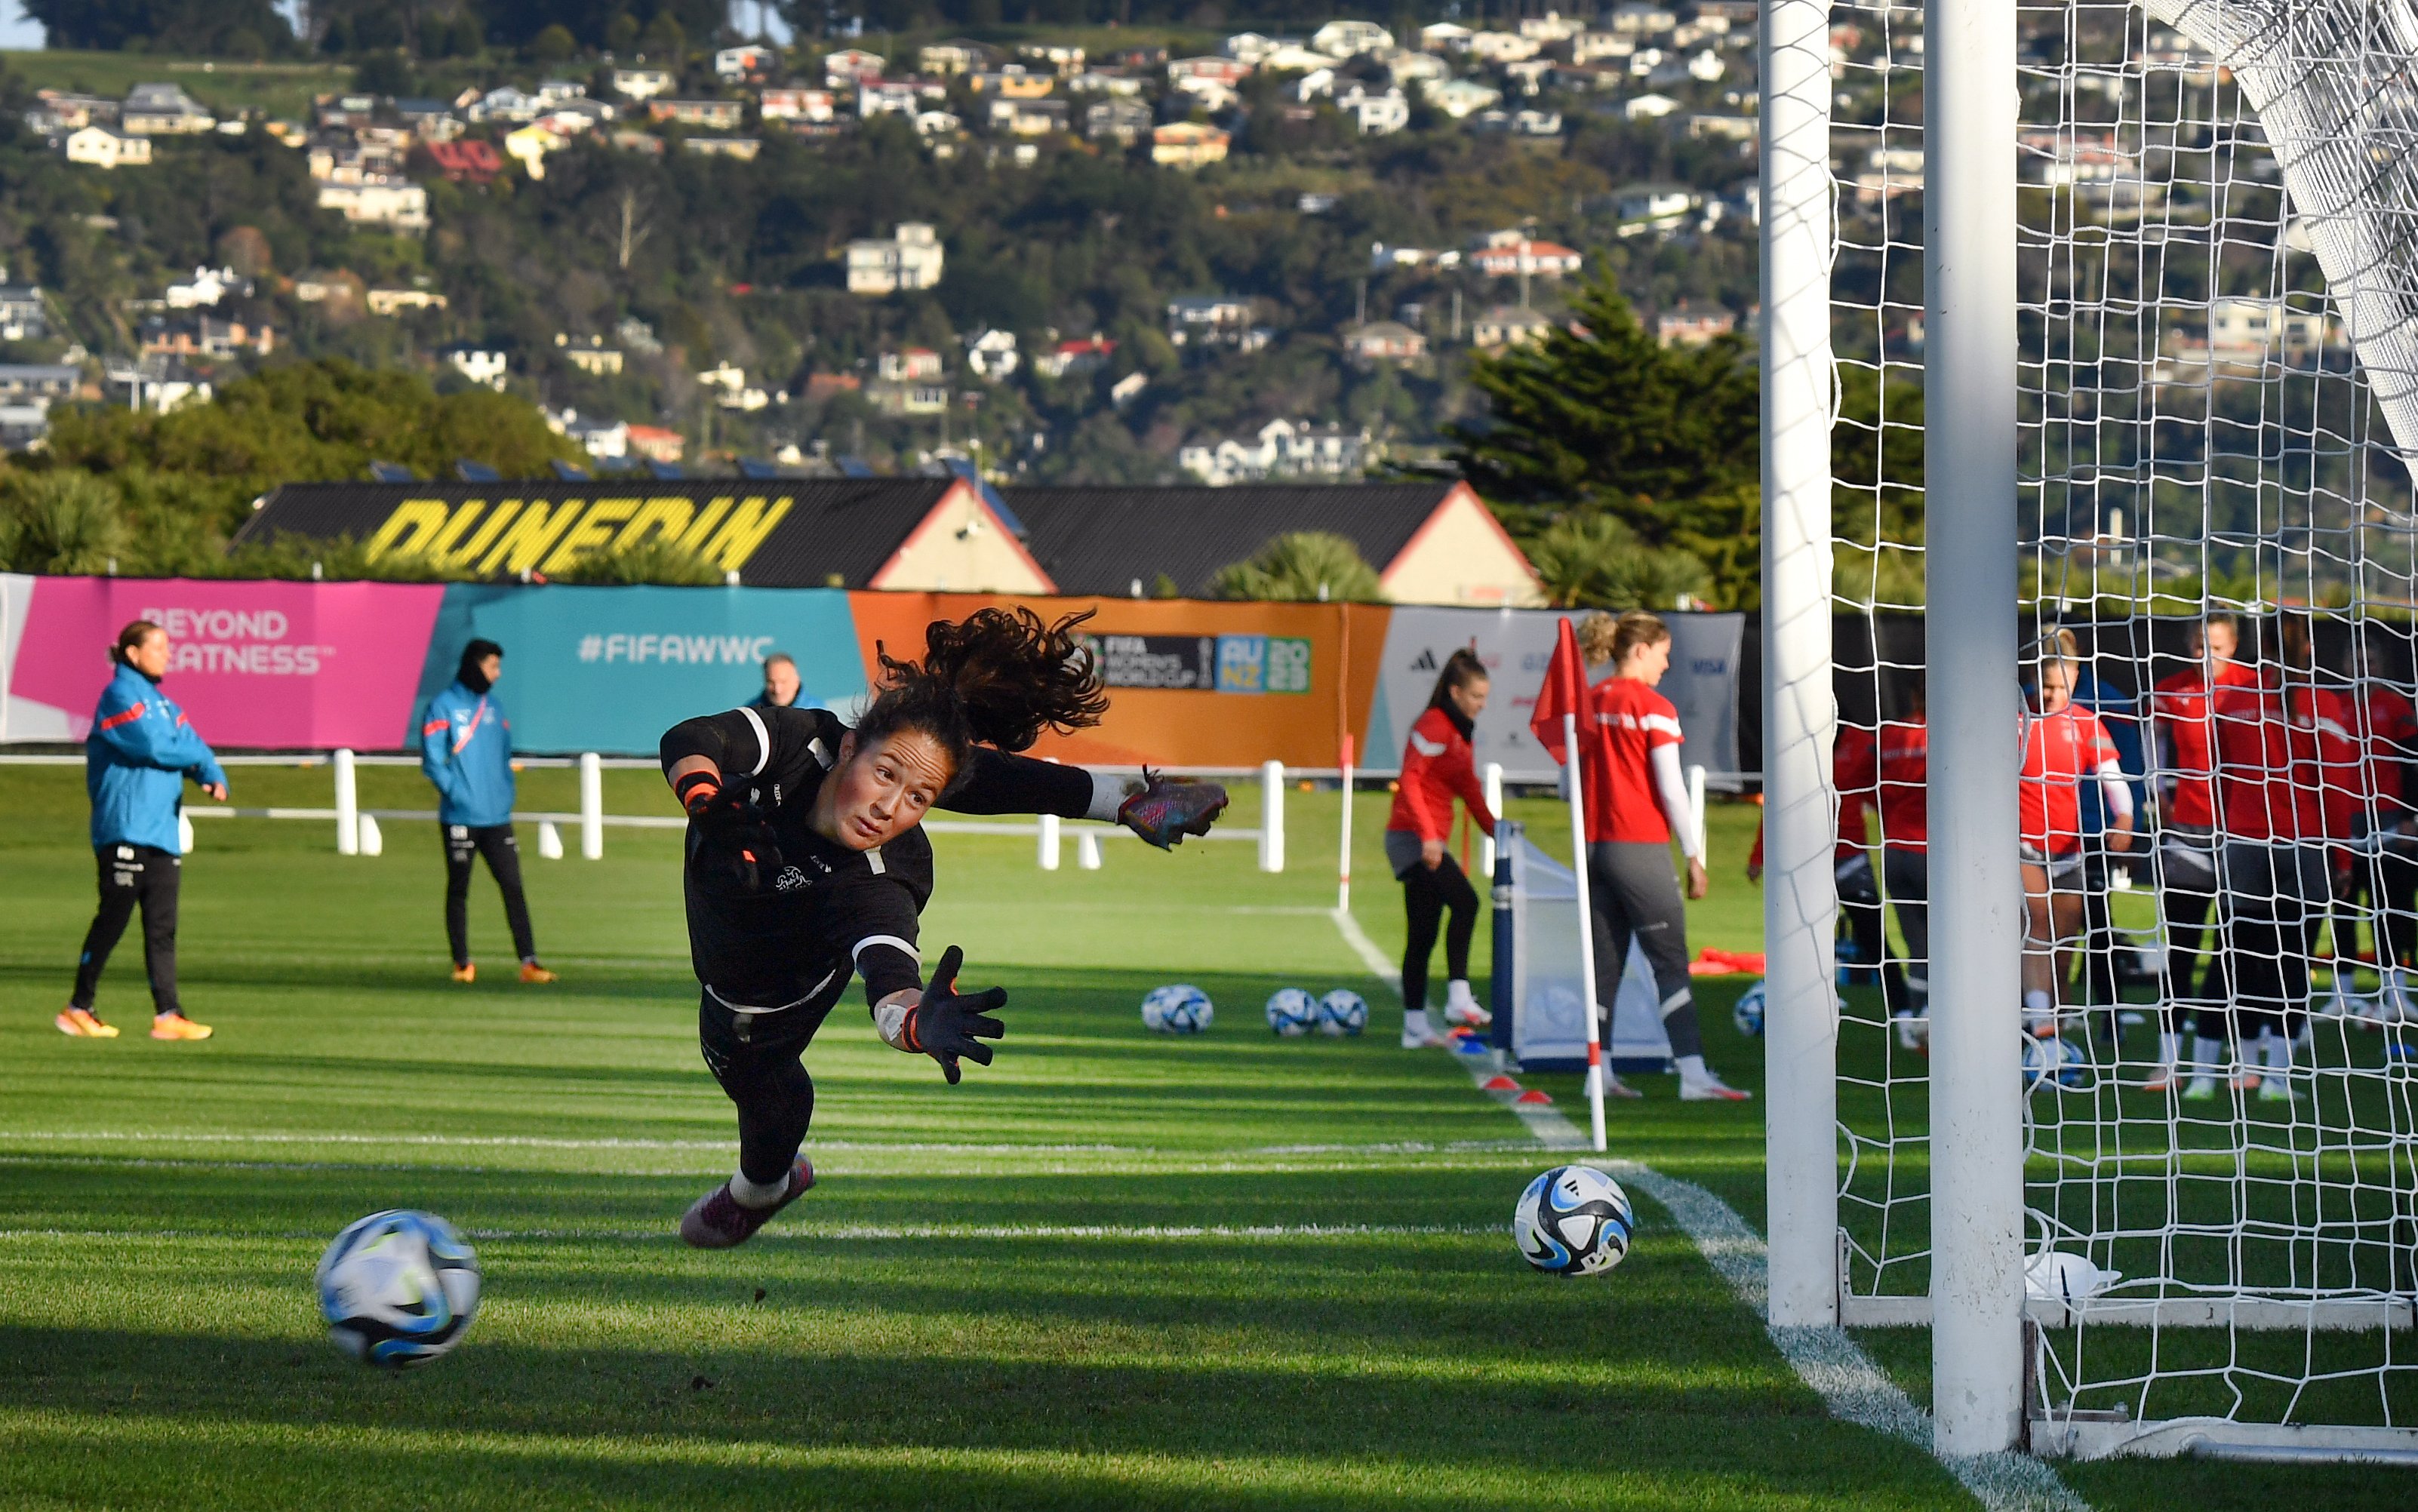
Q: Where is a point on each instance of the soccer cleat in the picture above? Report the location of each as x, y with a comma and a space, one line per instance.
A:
2161, 1080
1615, 1087
718, 1221
177, 1027
1461, 1007
2276, 1090
83, 1024
2200, 1089
1163, 811
2245, 1082
1422, 1039
466, 972
1914, 1032
531, 972
1711, 1089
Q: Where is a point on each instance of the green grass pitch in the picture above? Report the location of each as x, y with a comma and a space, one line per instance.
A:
1091, 1276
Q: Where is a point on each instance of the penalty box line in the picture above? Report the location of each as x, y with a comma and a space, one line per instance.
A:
1852, 1388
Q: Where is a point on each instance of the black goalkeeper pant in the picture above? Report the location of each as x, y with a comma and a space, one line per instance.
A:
463, 844
757, 1060
133, 877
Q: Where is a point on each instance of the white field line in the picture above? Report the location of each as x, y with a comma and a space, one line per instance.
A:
1003, 1151
1830, 1362
852, 1232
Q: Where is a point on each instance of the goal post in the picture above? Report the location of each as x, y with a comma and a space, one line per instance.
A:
2094, 318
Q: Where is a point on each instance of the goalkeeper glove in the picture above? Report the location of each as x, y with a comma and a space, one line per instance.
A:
735, 841
944, 1025
1163, 811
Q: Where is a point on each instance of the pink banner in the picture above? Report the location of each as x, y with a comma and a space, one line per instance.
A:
255, 664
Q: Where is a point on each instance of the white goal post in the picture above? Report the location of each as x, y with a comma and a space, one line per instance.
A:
2116, 333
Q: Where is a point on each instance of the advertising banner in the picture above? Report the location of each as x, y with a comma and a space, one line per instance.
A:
1515, 645
300, 665
609, 670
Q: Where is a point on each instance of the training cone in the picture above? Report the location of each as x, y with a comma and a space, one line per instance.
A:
549, 840
1532, 1095
1500, 1082
373, 843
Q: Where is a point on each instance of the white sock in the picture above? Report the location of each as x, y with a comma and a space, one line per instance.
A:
2035, 1001
2171, 1047
749, 1194
2207, 1054
1456, 993
1692, 1070
1414, 1022
2279, 1053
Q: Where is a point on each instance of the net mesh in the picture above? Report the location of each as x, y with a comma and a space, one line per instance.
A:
2218, 331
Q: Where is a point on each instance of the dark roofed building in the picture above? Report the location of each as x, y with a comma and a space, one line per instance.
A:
1431, 543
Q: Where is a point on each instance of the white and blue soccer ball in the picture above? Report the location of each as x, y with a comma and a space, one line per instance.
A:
1573, 1220
398, 1289
1292, 1012
2052, 1057
1342, 1013
1747, 1012
1177, 1009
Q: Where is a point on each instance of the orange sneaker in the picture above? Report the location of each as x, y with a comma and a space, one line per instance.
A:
466, 972
531, 972
83, 1024
177, 1027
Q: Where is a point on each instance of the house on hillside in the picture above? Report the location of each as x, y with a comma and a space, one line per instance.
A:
1512, 253
850, 64
1508, 324
1279, 448
911, 258
1075, 359
397, 204
22, 314
656, 443
1461, 98
751, 60
467, 162
1122, 121
794, 103
478, 364
1384, 341
991, 355
1350, 38
1208, 320
1431, 543
105, 146
954, 57
714, 114
205, 336
641, 82
1692, 323
163, 109
1188, 144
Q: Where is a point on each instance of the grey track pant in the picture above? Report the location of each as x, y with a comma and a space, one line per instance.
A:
1634, 897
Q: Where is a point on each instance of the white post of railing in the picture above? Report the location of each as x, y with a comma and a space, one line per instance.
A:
1969, 450
1272, 779
1050, 839
348, 804
1493, 777
1343, 863
1696, 805
591, 805
1800, 900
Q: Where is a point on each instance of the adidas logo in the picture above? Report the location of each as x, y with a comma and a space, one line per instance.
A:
1426, 662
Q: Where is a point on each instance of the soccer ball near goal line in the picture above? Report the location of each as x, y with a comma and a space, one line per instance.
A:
1343, 1012
1292, 1012
1573, 1220
1180, 1008
398, 1287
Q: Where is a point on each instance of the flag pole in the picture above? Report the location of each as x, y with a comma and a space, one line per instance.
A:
1586, 926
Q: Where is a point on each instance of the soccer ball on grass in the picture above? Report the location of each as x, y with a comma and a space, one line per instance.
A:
1292, 1012
1178, 1009
1747, 1012
1573, 1220
1342, 1013
398, 1289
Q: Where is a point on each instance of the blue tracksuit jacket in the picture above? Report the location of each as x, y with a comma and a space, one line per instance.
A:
136, 759
465, 748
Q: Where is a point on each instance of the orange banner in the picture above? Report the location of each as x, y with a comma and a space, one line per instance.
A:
1192, 682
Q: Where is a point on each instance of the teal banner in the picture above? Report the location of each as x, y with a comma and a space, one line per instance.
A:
609, 670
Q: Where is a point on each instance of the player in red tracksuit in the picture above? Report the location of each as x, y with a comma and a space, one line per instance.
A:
1885, 772
2189, 849
2064, 743
2388, 738
1438, 766
2282, 748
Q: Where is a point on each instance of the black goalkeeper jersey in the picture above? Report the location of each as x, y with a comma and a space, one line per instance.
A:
828, 912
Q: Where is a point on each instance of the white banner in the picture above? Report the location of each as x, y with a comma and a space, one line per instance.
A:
1516, 644
1549, 990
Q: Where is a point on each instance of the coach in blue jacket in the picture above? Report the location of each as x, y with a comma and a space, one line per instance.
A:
136, 759
465, 748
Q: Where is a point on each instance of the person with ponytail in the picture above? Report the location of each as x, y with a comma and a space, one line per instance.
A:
807, 865
1437, 765
465, 750
138, 757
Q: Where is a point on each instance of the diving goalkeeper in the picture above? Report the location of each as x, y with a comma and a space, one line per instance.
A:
806, 864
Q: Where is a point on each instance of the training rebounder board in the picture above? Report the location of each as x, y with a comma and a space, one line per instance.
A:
1540, 983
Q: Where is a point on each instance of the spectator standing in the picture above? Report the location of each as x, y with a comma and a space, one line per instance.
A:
780, 682
465, 749
137, 758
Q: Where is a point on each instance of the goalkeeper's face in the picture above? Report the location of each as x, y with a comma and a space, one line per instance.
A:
881, 789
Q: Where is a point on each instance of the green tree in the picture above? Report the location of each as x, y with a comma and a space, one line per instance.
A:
1301, 565
227, 27
1604, 417
62, 521
1593, 562
555, 44
648, 561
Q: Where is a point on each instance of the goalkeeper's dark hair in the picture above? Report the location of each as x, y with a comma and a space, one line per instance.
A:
1460, 669
998, 678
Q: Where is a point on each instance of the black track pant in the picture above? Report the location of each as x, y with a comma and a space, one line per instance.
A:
2277, 896
2187, 893
2396, 904
464, 842
1860, 909
1427, 897
132, 875
756, 1056
1634, 898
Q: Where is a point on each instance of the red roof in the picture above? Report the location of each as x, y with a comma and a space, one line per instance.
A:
474, 160
1100, 344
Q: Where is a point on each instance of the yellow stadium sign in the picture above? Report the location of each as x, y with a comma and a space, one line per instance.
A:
512, 537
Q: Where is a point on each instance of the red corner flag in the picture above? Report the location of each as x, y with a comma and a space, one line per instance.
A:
1564, 693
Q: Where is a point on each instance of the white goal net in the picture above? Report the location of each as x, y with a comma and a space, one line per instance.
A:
2217, 407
